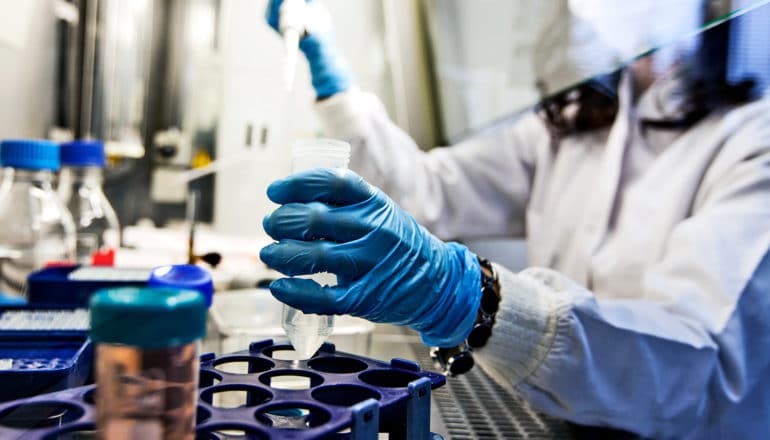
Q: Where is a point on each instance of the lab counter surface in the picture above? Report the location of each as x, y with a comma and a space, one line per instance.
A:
471, 406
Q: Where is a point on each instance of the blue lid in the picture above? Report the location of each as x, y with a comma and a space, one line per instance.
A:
147, 317
183, 276
30, 154
83, 153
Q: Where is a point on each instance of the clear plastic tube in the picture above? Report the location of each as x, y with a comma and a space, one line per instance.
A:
307, 332
292, 25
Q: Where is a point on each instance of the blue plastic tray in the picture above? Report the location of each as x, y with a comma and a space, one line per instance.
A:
42, 350
55, 285
37, 363
349, 397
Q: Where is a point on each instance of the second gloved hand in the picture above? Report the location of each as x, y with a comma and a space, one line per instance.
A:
329, 71
389, 268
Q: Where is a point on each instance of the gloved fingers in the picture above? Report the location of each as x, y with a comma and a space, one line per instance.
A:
314, 221
294, 257
306, 295
333, 186
8, 300
273, 13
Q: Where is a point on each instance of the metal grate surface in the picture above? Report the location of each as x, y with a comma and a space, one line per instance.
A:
473, 406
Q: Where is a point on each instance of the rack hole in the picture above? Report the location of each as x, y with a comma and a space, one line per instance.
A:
235, 396
291, 380
90, 396
201, 415
344, 395
388, 378
230, 432
81, 432
293, 416
208, 378
40, 415
282, 353
337, 364
242, 365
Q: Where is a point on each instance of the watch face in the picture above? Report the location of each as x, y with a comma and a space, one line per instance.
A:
479, 336
490, 300
460, 363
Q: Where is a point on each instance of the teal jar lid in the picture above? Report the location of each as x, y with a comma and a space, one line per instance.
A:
149, 317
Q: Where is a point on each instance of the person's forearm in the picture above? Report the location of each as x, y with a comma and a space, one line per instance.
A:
593, 364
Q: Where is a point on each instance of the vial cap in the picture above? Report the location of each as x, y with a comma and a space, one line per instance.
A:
83, 153
184, 276
147, 317
29, 154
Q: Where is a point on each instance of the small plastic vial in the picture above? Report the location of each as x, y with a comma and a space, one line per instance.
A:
147, 361
35, 227
80, 189
307, 332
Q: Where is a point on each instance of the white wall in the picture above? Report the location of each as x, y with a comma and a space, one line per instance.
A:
253, 94
27, 67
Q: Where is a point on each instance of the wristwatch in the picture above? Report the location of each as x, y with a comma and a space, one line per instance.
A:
458, 360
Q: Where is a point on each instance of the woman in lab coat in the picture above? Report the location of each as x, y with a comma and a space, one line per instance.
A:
647, 303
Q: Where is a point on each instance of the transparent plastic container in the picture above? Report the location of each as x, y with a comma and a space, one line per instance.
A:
240, 317
307, 332
80, 188
35, 227
147, 361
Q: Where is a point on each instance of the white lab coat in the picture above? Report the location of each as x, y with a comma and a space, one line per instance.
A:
648, 304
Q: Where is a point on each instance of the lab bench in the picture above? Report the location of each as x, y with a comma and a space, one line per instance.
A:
469, 406
473, 406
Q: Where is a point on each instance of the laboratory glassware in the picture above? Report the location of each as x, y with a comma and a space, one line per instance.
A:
292, 26
35, 227
80, 189
147, 349
307, 332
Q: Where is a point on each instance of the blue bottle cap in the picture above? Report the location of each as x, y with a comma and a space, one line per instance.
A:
83, 153
147, 317
184, 276
29, 154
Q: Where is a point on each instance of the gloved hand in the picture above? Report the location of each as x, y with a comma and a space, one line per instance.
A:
8, 300
389, 268
329, 71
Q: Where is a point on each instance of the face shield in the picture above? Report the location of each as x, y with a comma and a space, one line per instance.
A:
631, 28
496, 58
685, 62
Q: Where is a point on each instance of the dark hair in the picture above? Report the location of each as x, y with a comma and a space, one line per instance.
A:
590, 105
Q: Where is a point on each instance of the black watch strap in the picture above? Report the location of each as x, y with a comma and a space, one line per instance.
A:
457, 360
490, 302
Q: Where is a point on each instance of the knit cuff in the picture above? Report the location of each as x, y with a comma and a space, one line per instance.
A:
525, 327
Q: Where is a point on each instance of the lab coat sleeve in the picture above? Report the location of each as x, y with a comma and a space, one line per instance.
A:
477, 188
682, 355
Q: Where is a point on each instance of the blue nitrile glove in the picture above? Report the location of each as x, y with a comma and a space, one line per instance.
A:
328, 69
389, 268
9, 300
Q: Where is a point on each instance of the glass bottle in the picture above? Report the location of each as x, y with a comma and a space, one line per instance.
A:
80, 188
307, 332
35, 227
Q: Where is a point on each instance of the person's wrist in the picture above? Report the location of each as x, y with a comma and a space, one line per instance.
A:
458, 359
456, 313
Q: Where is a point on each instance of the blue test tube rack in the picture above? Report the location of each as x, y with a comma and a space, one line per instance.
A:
349, 397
